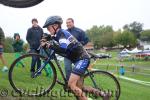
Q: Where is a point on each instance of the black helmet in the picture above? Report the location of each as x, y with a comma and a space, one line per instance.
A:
53, 20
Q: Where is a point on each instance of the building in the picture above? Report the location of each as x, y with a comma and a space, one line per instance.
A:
89, 46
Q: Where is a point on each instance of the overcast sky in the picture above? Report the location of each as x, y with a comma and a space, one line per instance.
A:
86, 13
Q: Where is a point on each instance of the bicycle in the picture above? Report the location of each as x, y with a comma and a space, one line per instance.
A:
20, 3
97, 79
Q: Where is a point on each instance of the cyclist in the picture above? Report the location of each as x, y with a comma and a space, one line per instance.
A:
73, 50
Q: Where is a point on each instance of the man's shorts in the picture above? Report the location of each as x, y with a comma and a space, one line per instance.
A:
1, 50
81, 66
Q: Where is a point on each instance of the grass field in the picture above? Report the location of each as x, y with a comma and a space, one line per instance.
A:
129, 90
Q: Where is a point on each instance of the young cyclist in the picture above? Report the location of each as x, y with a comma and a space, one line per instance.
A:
72, 49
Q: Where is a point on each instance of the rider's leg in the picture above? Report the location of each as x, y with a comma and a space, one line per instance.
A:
75, 78
80, 82
97, 92
73, 85
68, 67
105, 96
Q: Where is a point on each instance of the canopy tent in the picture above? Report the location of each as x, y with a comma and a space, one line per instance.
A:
135, 50
124, 51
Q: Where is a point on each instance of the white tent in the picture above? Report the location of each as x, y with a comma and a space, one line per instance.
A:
124, 51
135, 50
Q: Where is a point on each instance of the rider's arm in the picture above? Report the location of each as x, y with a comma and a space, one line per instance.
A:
57, 47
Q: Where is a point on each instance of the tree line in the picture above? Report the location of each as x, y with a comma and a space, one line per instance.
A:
105, 36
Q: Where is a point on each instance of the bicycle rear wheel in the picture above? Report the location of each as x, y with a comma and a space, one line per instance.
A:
104, 81
22, 82
20, 3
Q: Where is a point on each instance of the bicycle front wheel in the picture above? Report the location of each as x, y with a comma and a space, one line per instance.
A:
20, 76
20, 3
103, 81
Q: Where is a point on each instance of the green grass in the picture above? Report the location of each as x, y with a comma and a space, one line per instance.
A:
129, 90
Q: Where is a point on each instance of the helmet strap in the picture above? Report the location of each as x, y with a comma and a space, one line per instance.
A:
55, 29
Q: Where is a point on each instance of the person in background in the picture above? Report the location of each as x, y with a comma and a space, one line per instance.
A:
2, 38
122, 70
18, 47
17, 43
33, 37
81, 36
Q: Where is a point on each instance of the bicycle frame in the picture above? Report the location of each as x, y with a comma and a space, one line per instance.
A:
51, 56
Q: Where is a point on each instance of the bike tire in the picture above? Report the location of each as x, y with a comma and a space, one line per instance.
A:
20, 3
19, 90
103, 76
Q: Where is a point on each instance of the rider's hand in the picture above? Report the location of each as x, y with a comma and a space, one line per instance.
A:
46, 37
45, 44
43, 40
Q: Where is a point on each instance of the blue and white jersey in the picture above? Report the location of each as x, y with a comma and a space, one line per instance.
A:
69, 45
66, 39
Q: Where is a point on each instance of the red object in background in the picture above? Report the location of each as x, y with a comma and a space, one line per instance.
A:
142, 54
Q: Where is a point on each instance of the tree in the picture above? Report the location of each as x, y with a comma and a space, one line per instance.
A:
134, 27
101, 36
116, 37
145, 35
126, 27
126, 38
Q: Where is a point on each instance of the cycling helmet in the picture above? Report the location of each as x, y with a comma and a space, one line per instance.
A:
53, 20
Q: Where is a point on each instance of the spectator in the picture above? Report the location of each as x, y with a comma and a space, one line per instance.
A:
34, 35
81, 36
122, 70
17, 43
18, 47
2, 37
